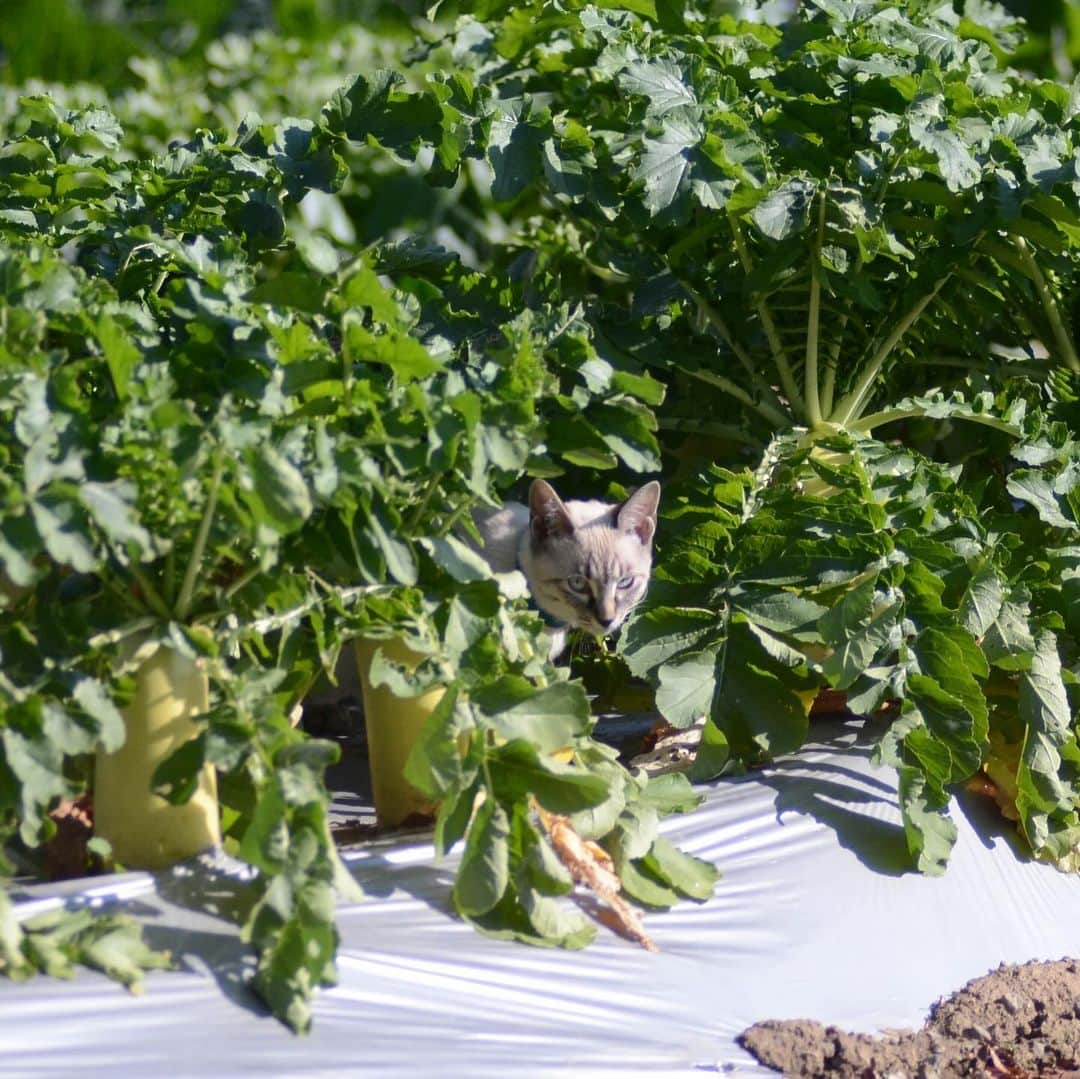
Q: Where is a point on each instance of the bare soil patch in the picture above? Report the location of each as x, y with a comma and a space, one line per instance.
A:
1015, 1022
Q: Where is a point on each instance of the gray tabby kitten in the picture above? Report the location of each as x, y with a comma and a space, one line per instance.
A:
587, 562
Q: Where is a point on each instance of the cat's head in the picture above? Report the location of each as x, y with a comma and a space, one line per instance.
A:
589, 562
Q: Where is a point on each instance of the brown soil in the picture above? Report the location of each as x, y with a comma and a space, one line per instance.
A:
1012, 1023
66, 855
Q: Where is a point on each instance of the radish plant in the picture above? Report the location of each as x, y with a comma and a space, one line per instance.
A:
812, 235
229, 448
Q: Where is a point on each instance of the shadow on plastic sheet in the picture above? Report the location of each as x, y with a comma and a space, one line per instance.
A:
381, 878
992, 829
843, 798
206, 890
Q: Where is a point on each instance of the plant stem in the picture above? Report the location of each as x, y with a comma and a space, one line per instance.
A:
850, 408
774, 415
832, 364
828, 380
425, 497
1053, 313
187, 588
716, 320
150, 593
242, 580
170, 575
112, 636
890, 415
813, 324
127, 599
779, 354
448, 524
272, 622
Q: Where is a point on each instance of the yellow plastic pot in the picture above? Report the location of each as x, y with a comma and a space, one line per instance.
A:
144, 830
393, 725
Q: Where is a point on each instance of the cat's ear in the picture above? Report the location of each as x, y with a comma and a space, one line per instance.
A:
547, 514
638, 513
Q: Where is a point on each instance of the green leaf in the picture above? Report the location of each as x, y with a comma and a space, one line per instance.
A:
484, 872
400, 560
670, 793
177, 777
713, 756
1008, 642
63, 530
660, 82
375, 109
457, 558
666, 161
1039, 491
361, 287
556, 922
519, 771
265, 840
785, 211
930, 834
404, 355
550, 719
959, 168
982, 601
544, 869
634, 834
112, 508
686, 689
652, 637
781, 611
90, 695
641, 884
756, 710
279, 495
688, 875
117, 949
515, 151
455, 813
950, 721
1044, 707
121, 353
953, 660
435, 765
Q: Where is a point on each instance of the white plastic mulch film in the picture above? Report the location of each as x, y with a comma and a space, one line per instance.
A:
816, 916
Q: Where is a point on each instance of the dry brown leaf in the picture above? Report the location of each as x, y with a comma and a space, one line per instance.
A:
591, 866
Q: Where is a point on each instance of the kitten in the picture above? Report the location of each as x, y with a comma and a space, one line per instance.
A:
587, 563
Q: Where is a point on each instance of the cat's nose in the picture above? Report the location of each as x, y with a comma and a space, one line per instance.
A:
606, 623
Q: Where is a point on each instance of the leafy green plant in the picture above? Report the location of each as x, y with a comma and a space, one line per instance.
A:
802, 214
252, 444
927, 609
814, 228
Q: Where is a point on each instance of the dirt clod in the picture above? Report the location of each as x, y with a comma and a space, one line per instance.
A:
66, 854
1015, 1022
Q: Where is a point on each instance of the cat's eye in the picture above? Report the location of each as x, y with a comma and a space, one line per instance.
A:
576, 583
625, 583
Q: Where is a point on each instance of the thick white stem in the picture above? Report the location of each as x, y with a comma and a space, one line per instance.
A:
851, 407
